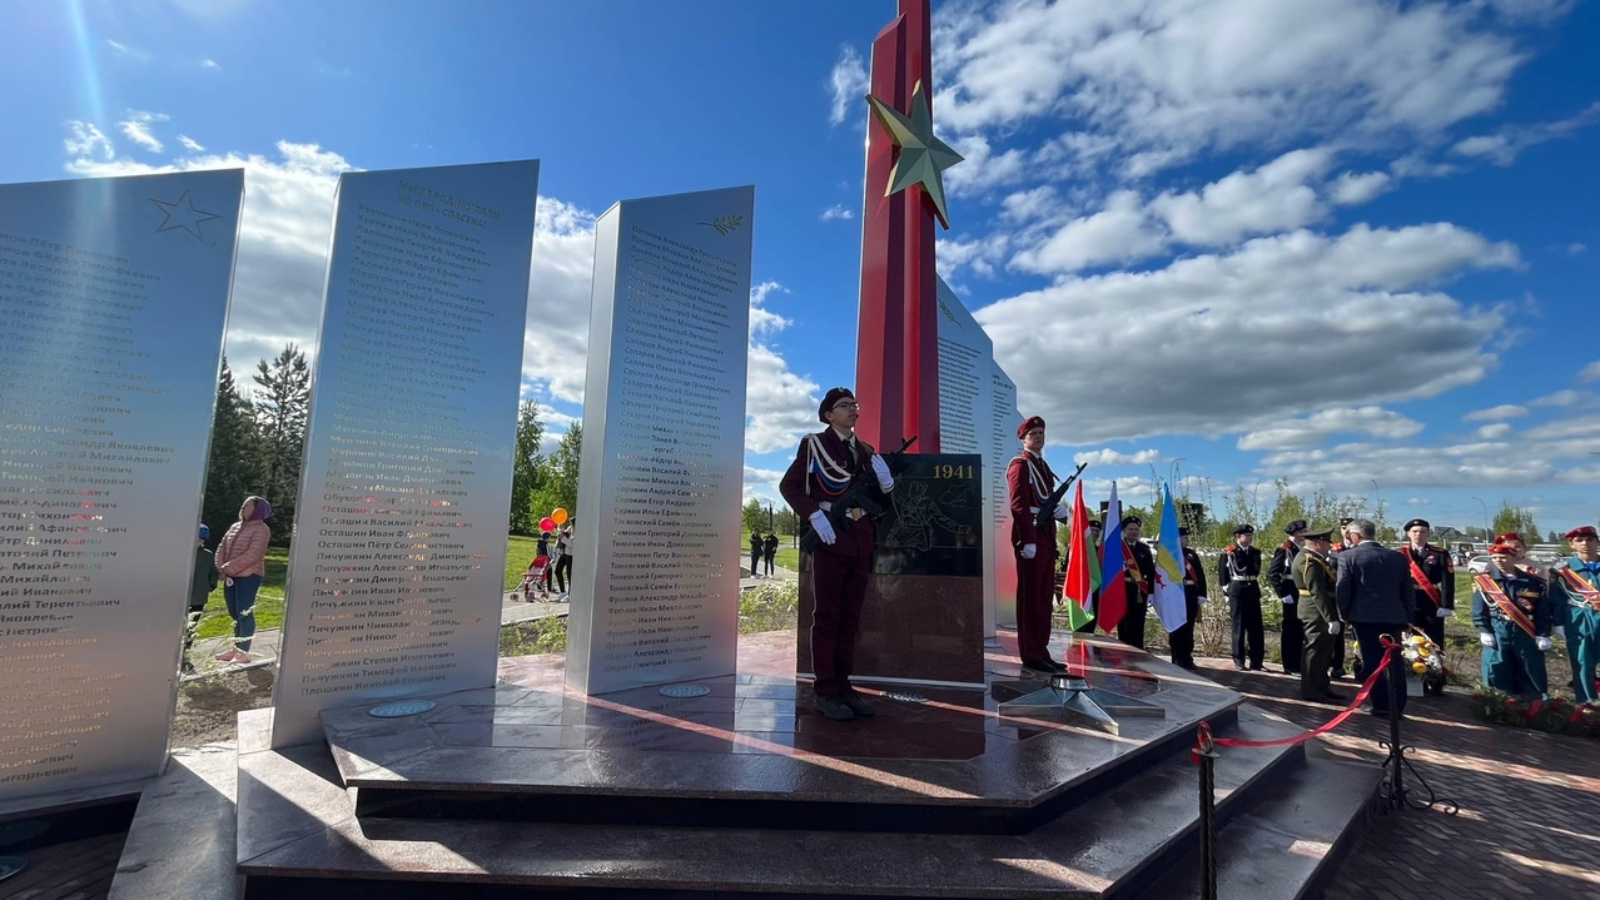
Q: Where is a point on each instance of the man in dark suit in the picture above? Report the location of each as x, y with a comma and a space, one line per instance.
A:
1239, 575
1375, 595
1280, 574
823, 468
1194, 594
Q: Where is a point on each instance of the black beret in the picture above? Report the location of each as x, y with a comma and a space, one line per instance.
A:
832, 397
1094, 523
1183, 531
1415, 522
1295, 527
1244, 529
1029, 424
1345, 520
1132, 520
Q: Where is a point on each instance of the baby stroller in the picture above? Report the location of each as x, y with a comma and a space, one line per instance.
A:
534, 578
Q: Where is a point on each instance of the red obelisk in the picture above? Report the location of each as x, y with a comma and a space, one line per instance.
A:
897, 341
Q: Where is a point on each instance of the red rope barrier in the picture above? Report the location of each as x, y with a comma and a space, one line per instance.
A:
1206, 741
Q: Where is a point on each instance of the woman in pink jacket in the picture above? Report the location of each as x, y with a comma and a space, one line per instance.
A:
242, 562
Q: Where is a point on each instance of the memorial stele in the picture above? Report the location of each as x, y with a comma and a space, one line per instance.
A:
655, 596
397, 566
113, 305
978, 414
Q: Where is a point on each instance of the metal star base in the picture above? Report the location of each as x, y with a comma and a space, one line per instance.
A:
1073, 699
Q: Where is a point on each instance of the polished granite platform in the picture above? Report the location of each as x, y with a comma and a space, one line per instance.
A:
528, 788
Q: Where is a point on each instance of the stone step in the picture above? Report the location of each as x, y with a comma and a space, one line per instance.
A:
299, 837
1286, 846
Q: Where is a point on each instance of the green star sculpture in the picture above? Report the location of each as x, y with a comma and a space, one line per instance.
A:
922, 156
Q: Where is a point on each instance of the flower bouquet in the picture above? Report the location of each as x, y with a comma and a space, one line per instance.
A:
1424, 658
1557, 715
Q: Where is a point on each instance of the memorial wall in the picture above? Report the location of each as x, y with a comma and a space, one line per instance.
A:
1003, 445
113, 303
655, 595
397, 566
966, 395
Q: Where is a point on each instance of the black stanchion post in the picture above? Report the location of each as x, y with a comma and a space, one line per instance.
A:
1205, 753
1392, 790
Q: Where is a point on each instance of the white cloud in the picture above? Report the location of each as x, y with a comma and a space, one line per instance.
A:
1418, 501
1319, 428
981, 169
780, 405
1576, 249
1503, 146
1559, 398
981, 255
1170, 79
190, 144
1350, 189
838, 211
762, 484
86, 141
1591, 372
128, 51
1493, 432
1496, 413
1108, 457
1530, 10
1381, 333
210, 64
848, 82
136, 128
1277, 196
1119, 233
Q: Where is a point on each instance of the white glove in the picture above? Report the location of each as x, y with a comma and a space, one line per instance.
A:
821, 525
1335, 628
881, 469
1559, 631
1444, 613
228, 582
1204, 600
1062, 513
1287, 601
1486, 639
1544, 643
1029, 551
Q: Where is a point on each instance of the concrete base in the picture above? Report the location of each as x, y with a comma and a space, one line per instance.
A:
181, 843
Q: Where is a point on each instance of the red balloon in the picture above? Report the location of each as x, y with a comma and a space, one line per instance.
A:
547, 524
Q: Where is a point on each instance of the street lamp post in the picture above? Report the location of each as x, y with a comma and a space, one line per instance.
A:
1485, 507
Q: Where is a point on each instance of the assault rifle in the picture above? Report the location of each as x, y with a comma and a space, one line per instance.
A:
857, 493
1047, 509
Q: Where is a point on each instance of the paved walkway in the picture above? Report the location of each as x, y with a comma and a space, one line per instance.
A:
1529, 801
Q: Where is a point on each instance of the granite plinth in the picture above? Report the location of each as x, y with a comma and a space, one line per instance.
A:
914, 628
1112, 814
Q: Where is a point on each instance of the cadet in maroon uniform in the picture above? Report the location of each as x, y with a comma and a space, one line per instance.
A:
1030, 482
821, 471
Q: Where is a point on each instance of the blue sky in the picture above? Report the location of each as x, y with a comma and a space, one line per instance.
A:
1346, 243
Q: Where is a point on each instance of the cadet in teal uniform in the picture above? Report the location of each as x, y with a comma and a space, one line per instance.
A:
1512, 612
1575, 608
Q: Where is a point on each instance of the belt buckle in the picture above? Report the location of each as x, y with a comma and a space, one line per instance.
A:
855, 513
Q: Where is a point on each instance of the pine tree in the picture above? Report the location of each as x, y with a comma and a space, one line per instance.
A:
282, 408
233, 471
526, 469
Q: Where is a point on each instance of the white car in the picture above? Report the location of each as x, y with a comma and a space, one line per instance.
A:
1478, 565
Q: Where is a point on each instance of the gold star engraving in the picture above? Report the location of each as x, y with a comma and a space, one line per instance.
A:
922, 156
182, 214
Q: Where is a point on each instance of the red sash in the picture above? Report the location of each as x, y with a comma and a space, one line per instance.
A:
1492, 592
1583, 589
1428, 587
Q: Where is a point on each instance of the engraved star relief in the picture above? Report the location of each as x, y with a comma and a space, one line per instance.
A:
922, 156
182, 215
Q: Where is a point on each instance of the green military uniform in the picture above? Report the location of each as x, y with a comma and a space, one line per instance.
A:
1318, 609
1579, 617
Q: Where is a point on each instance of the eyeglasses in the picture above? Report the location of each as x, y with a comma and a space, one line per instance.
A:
846, 405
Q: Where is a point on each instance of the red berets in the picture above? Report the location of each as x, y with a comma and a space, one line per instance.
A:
1504, 549
1582, 531
1028, 425
1509, 536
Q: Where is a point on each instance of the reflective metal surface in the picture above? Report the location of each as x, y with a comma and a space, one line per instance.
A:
1003, 445
113, 301
398, 561
656, 566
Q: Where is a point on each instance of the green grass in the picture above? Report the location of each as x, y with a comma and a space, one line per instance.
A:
787, 558
269, 602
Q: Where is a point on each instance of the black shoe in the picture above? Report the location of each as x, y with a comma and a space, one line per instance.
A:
834, 708
1291, 671
1336, 675
1238, 664
1257, 667
858, 704
1042, 666
1330, 695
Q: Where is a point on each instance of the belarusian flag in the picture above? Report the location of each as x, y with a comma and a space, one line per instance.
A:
1083, 569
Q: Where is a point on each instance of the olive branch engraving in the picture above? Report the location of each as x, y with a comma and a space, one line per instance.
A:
725, 224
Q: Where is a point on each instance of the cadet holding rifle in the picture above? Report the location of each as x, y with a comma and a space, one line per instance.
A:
1035, 505
818, 486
